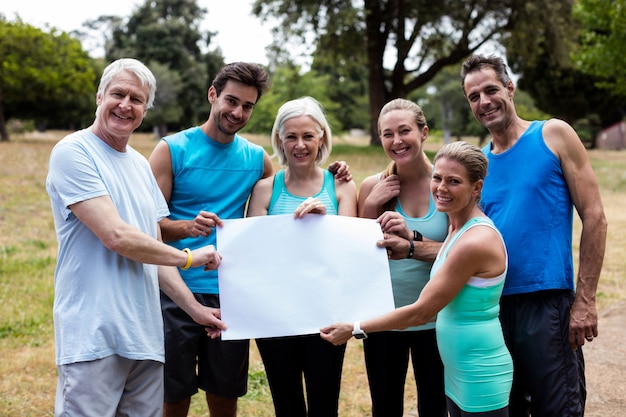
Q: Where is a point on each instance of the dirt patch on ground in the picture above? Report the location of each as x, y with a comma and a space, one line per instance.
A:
605, 361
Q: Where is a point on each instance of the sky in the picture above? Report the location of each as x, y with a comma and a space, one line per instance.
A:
241, 36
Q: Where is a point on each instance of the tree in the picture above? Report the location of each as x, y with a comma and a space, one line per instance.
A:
168, 32
287, 84
406, 43
603, 39
346, 69
42, 73
166, 109
542, 54
446, 108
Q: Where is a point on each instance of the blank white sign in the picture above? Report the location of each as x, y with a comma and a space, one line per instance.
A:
282, 276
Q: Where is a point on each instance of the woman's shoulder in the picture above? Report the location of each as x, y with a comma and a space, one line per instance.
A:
371, 180
264, 184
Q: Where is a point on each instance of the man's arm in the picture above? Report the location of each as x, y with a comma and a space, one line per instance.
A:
585, 193
172, 284
399, 248
101, 217
202, 225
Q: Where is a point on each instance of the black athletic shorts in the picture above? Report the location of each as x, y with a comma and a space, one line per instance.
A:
548, 376
193, 360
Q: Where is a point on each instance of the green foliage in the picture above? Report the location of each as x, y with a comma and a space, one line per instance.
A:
42, 73
340, 55
288, 84
167, 32
603, 40
20, 126
542, 50
166, 107
402, 44
525, 107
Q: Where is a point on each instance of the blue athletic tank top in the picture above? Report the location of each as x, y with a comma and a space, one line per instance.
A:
283, 202
214, 177
526, 196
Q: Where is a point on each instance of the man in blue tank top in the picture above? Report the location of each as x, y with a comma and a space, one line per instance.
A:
538, 173
206, 174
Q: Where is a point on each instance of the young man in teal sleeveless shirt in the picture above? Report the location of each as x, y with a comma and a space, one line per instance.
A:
206, 174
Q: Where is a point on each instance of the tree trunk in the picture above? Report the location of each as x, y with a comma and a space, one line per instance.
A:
4, 135
376, 76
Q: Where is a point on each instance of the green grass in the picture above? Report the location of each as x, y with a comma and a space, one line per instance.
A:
27, 261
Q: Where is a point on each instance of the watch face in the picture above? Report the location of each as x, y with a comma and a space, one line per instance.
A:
360, 335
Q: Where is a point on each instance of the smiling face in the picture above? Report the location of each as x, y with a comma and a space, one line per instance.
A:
451, 186
401, 136
231, 110
121, 109
301, 138
490, 100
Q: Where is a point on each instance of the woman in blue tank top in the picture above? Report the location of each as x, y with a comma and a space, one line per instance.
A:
400, 198
301, 138
465, 287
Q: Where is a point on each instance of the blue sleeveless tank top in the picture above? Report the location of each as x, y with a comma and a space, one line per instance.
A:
283, 202
526, 196
214, 177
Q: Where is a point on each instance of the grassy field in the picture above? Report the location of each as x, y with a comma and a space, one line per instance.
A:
28, 252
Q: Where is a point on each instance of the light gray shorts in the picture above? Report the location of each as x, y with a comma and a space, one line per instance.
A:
108, 387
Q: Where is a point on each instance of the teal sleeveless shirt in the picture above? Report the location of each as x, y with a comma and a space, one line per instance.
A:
478, 369
409, 276
210, 176
283, 202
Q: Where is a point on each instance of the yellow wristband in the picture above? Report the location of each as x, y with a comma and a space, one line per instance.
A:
189, 259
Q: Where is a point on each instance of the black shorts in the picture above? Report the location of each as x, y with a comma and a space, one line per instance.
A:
222, 366
548, 376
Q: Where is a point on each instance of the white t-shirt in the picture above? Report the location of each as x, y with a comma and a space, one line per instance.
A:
104, 303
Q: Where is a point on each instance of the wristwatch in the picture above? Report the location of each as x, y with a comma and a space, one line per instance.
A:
357, 332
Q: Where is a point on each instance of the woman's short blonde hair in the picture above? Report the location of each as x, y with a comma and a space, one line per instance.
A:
304, 106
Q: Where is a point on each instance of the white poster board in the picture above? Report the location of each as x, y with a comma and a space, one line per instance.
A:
282, 276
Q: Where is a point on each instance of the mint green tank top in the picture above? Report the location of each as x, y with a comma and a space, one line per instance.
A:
283, 202
478, 370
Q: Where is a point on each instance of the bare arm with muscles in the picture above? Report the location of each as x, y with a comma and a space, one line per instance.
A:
583, 187
204, 222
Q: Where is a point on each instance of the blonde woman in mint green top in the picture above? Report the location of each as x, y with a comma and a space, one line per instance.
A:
301, 139
479, 370
467, 281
